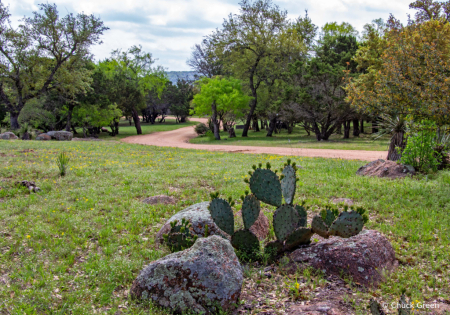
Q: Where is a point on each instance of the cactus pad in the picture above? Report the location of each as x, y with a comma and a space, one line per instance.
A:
328, 216
288, 184
347, 224
222, 215
318, 226
246, 241
266, 186
285, 220
301, 211
301, 236
250, 211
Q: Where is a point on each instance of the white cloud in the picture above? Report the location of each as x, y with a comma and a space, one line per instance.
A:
168, 29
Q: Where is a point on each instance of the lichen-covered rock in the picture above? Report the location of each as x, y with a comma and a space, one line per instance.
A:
43, 137
8, 136
63, 135
389, 169
203, 279
261, 226
198, 215
363, 256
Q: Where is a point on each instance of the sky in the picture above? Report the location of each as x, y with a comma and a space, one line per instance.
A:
169, 28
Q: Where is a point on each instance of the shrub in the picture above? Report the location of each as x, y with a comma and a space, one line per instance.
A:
62, 161
420, 148
201, 129
210, 135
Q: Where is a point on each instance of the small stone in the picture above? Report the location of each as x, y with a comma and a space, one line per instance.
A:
160, 199
43, 137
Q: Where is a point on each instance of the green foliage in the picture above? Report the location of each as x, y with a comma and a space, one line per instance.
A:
210, 135
62, 161
34, 62
420, 147
201, 129
180, 236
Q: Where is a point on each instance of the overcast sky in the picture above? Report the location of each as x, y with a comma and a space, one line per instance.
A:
169, 28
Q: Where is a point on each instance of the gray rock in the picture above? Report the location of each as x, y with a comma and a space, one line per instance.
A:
198, 215
43, 137
8, 136
63, 135
362, 257
52, 133
202, 279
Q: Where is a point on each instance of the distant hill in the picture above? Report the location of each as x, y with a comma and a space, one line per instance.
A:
187, 75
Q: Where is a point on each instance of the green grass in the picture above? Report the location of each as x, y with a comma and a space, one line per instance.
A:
300, 139
125, 130
77, 245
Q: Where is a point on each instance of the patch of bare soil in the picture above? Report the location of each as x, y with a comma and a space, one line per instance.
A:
179, 138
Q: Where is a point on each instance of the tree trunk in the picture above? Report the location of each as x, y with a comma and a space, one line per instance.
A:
231, 133
347, 129
137, 121
74, 130
374, 125
14, 119
250, 114
397, 143
182, 119
339, 129
290, 127
256, 125
69, 117
272, 125
361, 126
356, 127
215, 121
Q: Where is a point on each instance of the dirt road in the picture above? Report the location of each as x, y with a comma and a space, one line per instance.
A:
180, 138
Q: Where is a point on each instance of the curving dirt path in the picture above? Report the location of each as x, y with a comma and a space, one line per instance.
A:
180, 138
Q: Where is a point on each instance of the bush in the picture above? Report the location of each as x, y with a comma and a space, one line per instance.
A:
420, 148
210, 135
201, 129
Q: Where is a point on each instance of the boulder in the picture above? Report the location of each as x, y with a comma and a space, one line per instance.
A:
63, 135
43, 137
154, 200
8, 136
389, 169
202, 279
362, 257
199, 216
261, 226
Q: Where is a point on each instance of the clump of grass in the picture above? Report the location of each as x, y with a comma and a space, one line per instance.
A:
62, 161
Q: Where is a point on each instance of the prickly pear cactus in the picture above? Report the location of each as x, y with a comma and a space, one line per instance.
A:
266, 186
246, 241
347, 224
329, 216
300, 236
250, 210
319, 226
222, 215
303, 214
288, 184
375, 308
285, 220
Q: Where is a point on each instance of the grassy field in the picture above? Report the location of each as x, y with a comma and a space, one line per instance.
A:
76, 246
300, 139
125, 130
